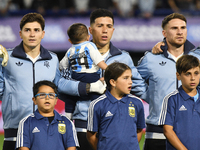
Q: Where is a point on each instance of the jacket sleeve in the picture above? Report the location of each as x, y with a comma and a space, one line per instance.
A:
64, 63
143, 70
23, 136
2, 85
67, 85
139, 87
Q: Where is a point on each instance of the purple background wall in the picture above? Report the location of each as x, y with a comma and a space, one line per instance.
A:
134, 35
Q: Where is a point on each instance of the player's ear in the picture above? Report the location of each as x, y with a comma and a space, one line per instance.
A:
88, 37
20, 34
113, 82
34, 100
56, 100
70, 41
43, 33
164, 33
90, 30
178, 76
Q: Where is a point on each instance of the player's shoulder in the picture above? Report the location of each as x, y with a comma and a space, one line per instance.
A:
171, 95
124, 52
52, 53
150, 57
28, 118
65, 119
99, 101
9, 50
195, 51
135, 98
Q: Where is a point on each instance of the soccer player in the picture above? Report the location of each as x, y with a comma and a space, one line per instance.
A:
28, 63
180, 111
117, 116
45, 129
101, 28
159, 72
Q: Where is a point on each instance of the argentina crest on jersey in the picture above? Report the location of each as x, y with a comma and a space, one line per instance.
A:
131, 110
61, 127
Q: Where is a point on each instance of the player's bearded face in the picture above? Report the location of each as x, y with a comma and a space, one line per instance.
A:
102, 31
175, 32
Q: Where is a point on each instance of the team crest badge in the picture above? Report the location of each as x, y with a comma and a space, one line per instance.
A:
131, 110
61, 127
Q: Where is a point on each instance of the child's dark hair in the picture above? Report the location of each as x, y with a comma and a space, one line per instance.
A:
44, 82
77, 32
32, 17
173, 16
114, 71
186, 62
100, 13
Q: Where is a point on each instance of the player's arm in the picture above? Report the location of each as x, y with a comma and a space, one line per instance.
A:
139, 134
156, 49
172, 137
102, 65
23, 148
92, 139
71, 148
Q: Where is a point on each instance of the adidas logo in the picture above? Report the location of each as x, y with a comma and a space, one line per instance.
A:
162, 63
108, 114
35, 130
19, 63
182, 108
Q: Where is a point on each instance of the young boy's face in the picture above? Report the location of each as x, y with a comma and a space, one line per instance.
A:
189, 79
45, 105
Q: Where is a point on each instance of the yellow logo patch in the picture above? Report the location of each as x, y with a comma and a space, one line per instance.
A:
131, 110
61, 127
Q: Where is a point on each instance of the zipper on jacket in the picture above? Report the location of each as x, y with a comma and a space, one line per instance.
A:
33, 84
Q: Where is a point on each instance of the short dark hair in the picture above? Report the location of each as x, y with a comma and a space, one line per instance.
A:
44, 82
77, 32
114, 71
173, 16
186, 62
32, 17
100, 13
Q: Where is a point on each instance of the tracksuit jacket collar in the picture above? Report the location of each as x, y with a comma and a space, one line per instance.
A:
113, 100
187, 47
19, 52
39, 116
184, 95
113, 50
